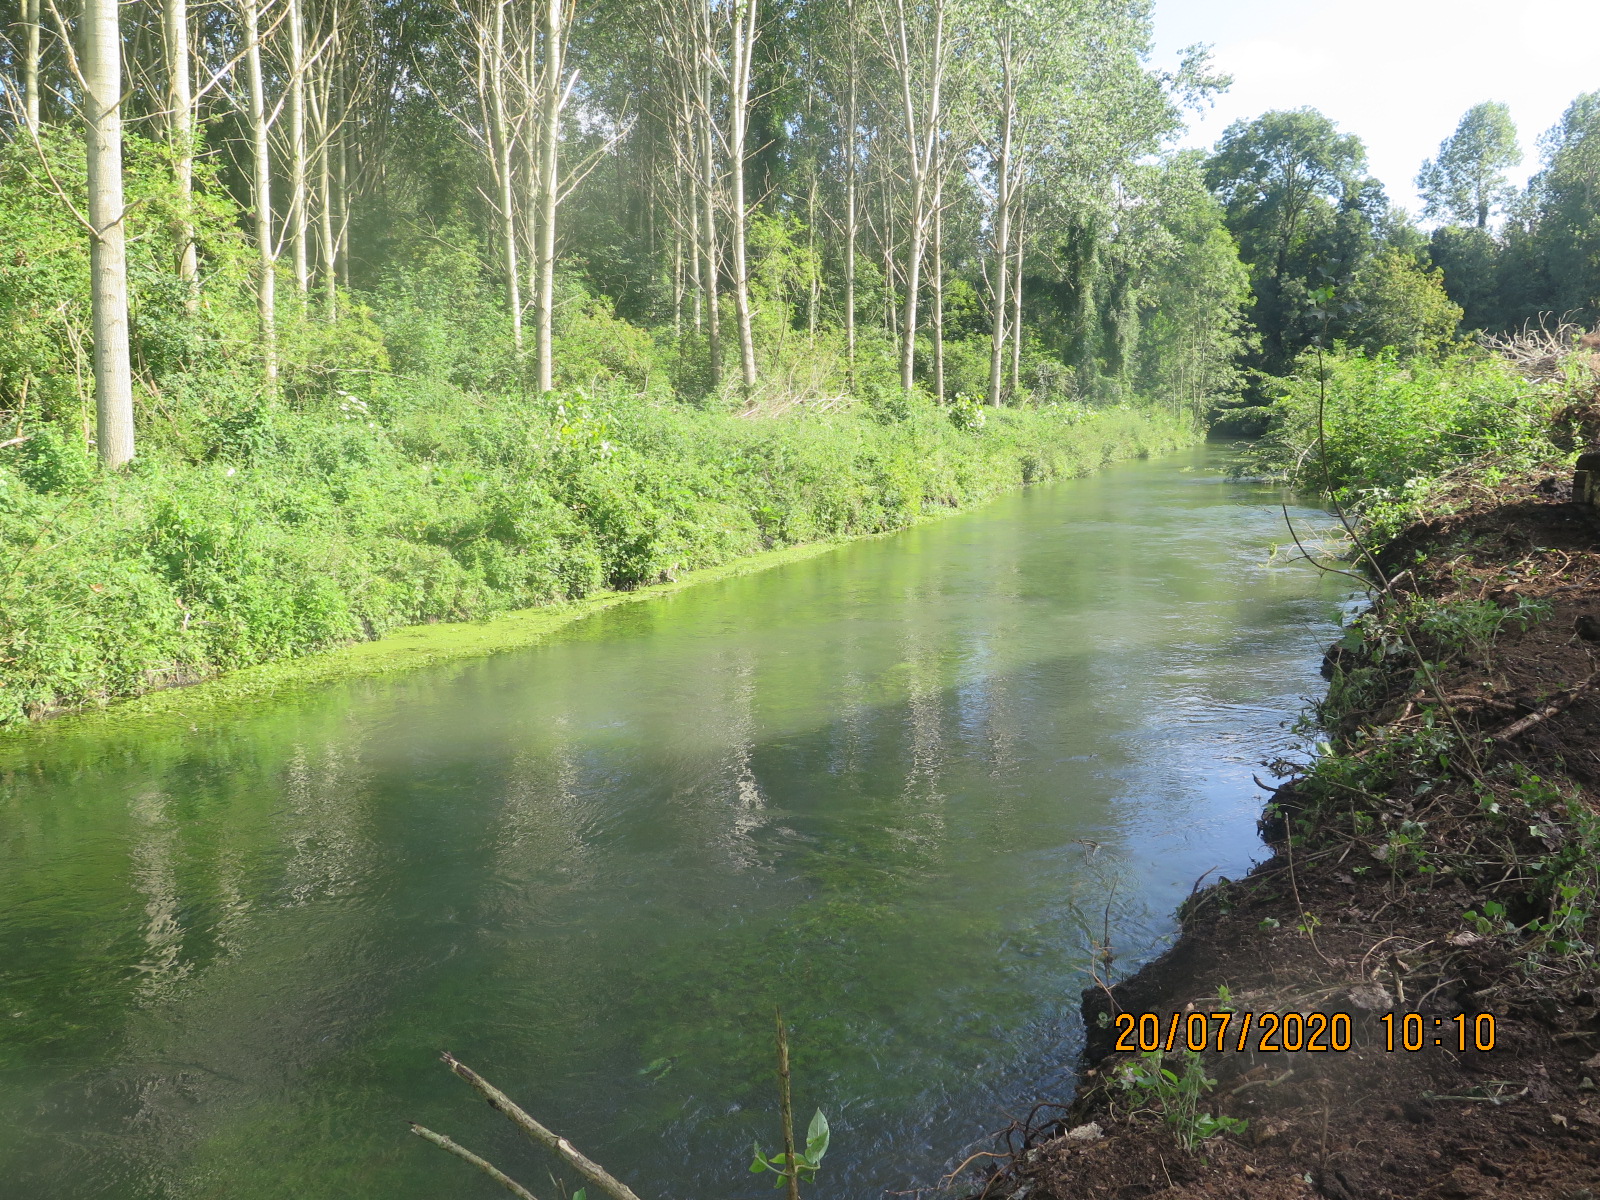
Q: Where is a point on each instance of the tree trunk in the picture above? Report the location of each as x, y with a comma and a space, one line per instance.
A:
708, 193
936, 281
296, 106
744, 40
30, 64
922, 140
1016, 308
847, 143
108, 265
501, 147
180, 129
1002, 224
549, 185
261, 196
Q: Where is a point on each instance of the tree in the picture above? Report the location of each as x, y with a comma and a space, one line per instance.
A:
1467, 183
1303, 212
1396, 303
101, 69
1566, 201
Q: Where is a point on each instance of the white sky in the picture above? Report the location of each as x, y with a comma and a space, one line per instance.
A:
1398, 73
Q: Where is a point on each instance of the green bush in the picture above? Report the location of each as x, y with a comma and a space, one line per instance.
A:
304, 528
1393, 426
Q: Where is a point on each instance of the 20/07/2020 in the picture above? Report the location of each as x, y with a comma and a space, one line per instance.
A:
1272, 1032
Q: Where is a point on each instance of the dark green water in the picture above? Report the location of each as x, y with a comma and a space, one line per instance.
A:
885, 788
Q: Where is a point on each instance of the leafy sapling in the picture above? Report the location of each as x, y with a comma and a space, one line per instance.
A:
805, 1163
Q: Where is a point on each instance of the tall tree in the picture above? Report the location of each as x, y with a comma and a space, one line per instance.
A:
101, 58
1466, 183
180, 133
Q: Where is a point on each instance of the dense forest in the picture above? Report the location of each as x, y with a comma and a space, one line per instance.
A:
290, 257
798, 202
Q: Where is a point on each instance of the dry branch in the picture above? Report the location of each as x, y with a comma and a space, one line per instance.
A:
502, 1103
1561, 702
483, 1164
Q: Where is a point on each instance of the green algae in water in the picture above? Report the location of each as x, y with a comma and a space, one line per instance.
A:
884, 786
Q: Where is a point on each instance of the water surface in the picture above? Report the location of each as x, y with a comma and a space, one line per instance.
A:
899, 789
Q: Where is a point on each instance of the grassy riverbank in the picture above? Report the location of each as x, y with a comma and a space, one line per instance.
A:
269, 535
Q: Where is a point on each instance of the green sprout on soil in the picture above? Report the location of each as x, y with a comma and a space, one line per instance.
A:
1150, 1085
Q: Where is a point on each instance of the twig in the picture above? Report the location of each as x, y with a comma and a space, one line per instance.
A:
1560, 704
786, 1108
483, 1164
503, 1103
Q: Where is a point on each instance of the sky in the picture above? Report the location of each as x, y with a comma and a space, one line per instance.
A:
1397, 73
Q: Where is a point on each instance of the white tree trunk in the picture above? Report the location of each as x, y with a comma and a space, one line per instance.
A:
101, 59
549, 185
180, 130
266, 252
30, 63
1002, 226
744, 44
299, 207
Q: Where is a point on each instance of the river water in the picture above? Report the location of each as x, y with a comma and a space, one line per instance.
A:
898, 789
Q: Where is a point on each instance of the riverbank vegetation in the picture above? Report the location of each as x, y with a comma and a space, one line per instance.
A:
617, 281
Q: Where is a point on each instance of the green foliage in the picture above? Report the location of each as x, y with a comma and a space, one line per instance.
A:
806, 1162
297, 528
1466, 184
1149, 1084
1392, 426
1398, 304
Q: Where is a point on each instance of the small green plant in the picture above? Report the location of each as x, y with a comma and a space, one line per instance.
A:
805, 1163
1474, 624
791, 1165
1151, 1085
967, 413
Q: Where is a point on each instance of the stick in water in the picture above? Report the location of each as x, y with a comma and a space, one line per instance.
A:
483, 1164
503, 1103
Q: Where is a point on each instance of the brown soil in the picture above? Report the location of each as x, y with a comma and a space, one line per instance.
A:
1386, 931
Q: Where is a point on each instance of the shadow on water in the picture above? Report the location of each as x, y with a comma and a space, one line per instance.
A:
887, 788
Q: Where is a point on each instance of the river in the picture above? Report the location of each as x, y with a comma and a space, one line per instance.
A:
899, 789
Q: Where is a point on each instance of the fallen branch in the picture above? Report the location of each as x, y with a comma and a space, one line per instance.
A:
1561, 702
483, 1164
503, 1103
16, 441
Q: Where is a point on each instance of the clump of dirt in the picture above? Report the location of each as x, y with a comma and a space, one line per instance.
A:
1441, 864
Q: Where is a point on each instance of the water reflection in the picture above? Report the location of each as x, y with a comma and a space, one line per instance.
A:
904, 790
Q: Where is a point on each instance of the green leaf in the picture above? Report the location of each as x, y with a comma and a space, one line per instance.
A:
817, 1137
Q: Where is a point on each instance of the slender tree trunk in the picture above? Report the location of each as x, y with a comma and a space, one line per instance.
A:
320, 98
266, 260
708, 194
936, 280
30, 64
501, 147
847, 146
296, 107
549, 185
921, 143
1002, 225
744, 39
108, 265
1016, 307
180, 129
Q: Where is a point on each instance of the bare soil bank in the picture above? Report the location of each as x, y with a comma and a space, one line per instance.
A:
1366, 914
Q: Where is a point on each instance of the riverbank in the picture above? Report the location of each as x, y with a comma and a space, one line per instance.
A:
1441, 860
299, 533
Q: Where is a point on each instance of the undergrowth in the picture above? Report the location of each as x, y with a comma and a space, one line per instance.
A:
274, 531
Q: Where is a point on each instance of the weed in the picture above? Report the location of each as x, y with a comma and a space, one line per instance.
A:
1176, 1095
